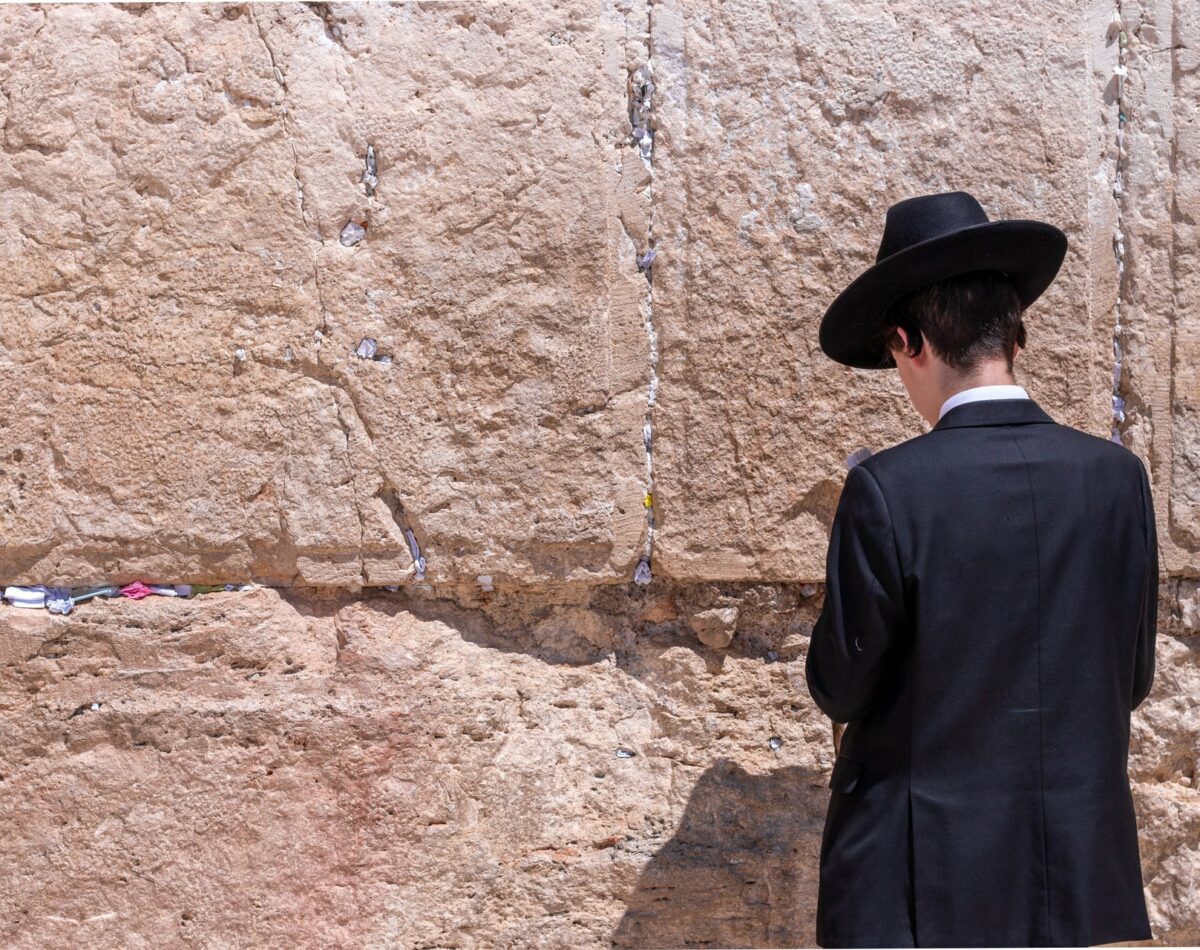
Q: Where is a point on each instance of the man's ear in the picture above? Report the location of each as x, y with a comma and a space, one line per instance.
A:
926, 353
903, 334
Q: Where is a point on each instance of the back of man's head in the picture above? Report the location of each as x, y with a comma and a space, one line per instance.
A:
967, 318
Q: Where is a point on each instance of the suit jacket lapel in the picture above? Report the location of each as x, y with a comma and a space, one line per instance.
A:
993, 412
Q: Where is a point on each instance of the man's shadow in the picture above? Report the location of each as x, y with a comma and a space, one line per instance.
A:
741, 868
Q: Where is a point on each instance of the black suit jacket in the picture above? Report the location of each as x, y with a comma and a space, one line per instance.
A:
988, 625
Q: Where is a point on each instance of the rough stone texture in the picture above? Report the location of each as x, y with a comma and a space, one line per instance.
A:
282, 768
270, 768
1160, 293
1164, 768
715, 626
785, 131
175, 181
559, 761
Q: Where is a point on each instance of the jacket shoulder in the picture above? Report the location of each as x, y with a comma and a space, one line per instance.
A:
1104, 449
921, 449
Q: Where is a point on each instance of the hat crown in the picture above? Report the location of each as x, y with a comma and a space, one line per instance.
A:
924, 217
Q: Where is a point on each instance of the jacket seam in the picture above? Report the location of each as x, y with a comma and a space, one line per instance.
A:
891, 529
1037, 549
911, 835
1147, 511
1143, 480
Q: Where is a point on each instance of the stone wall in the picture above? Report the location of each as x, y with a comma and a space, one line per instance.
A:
591, 244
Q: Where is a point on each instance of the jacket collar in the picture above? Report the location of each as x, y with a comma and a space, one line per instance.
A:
992, 412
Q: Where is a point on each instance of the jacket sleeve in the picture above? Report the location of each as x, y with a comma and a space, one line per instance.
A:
864, 614
1143, 660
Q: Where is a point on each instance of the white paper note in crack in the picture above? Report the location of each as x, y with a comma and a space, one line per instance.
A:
857, 456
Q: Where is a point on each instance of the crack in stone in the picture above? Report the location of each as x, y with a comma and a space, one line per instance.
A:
323, 374
362, 525
387, 493
301, 197
344, 397
640, 93
1118, 191
328, 20
320, 303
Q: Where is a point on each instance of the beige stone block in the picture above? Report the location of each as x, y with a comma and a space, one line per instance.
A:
317, 768
1160, 289
784, 132
180, 312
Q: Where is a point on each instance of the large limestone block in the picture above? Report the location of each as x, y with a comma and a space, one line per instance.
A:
257, 769
181, 300
266, 769
783, 132
1164, 769
1160, 290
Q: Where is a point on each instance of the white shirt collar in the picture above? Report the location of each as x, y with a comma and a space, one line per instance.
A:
971, 393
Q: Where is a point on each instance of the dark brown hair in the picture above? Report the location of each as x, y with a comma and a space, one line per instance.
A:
967, 317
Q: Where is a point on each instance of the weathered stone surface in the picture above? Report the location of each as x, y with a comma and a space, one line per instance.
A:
784, 132
1160, 290
175, 181
510, 445
291, 769
1164, 770
277, 769
715, 626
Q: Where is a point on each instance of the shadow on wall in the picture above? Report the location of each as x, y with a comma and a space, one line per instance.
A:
820, 501
740, 870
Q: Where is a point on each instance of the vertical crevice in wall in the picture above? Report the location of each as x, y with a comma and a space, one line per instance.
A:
391, 498
641, 120
1120, 378
301, 197
338, 397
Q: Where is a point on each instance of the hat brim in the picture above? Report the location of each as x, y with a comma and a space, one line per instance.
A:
1029, 252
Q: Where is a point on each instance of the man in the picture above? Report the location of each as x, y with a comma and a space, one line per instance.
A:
988, 623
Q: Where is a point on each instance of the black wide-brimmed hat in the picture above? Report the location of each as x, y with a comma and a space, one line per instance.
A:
926, 238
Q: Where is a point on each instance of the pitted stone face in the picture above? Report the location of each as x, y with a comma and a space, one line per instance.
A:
833, 116
383, 748
183, 335
1156, 409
